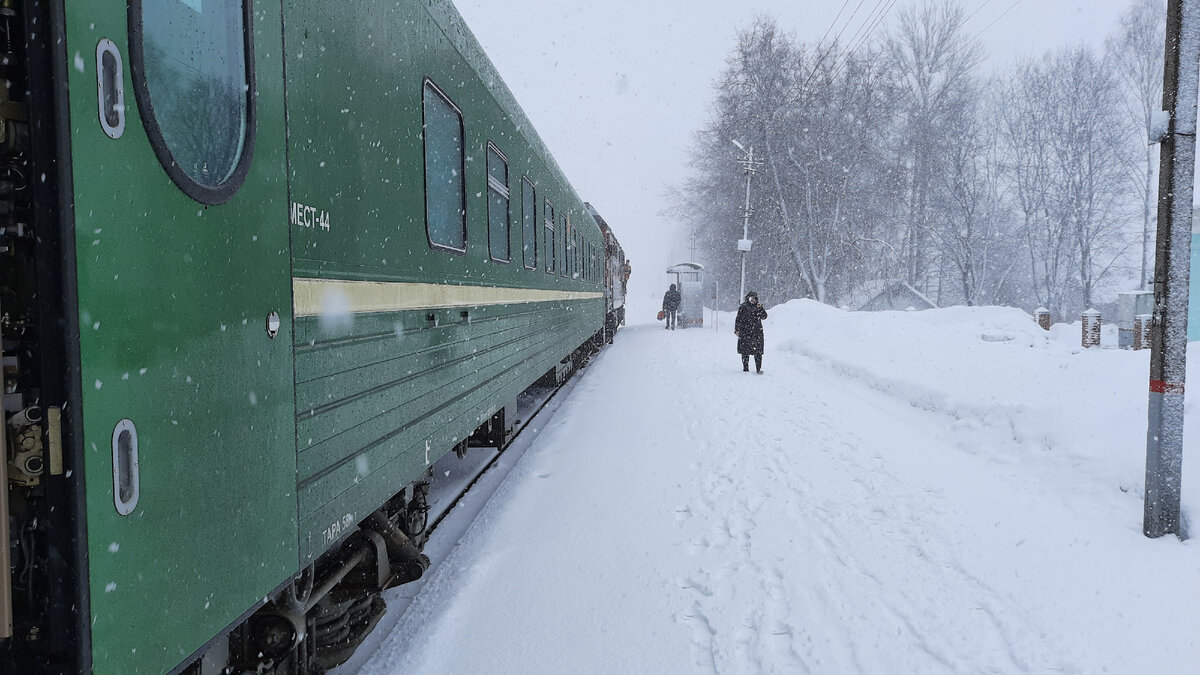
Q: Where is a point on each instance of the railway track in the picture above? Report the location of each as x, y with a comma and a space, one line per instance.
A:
458, 491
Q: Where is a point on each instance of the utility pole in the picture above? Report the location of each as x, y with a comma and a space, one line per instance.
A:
749, 166
1168, 338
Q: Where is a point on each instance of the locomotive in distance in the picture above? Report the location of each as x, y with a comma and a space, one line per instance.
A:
263, 265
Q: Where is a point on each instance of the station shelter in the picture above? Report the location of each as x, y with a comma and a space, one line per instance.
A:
689, 279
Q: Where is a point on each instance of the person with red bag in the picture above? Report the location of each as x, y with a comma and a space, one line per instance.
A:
671, 300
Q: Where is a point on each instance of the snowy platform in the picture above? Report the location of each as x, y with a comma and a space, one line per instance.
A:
950, 491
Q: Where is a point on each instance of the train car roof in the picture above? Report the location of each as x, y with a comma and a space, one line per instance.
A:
455, 27
604, 226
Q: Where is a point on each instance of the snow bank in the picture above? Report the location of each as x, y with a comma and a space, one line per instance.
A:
1013, 390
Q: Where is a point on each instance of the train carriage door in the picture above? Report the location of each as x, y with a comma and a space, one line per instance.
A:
185, 311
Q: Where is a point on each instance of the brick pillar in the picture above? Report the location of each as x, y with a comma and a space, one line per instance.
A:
1042, 316
1091, 328
1141, 330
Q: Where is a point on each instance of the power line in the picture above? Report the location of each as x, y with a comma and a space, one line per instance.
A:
975, 40
882, 15
833, 44
977, 10
832, 24
1002, 15
866, 36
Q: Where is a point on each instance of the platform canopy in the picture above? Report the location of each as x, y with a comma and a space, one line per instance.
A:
685, 267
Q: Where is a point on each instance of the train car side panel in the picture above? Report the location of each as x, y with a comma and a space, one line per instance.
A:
174, 295
404, 343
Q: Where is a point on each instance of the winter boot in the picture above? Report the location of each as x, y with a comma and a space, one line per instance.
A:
745, 363
758, 363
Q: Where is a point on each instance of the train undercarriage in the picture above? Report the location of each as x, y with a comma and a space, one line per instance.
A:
317, 620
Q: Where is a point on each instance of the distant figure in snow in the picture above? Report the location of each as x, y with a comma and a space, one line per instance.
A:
748, 328
671, 306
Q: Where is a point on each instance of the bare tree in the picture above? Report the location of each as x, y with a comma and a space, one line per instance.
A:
1137, 54
890, 162
1030, 166
823, 169
813, 117
1089, 145
973, 227
1066, 153
935, 62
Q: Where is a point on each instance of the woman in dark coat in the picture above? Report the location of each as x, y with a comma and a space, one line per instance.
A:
748, 327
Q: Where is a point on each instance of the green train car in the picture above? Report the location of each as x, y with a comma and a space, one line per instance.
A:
263, 263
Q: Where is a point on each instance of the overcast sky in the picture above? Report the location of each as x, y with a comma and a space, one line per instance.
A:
618, 88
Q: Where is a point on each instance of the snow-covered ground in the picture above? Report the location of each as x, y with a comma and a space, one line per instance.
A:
952, 491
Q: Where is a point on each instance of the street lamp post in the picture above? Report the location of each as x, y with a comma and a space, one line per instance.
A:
749, 166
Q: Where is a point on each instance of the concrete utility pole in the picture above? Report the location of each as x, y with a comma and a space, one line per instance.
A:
749, 166
1168, 338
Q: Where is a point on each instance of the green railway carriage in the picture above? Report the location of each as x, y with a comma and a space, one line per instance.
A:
263, 263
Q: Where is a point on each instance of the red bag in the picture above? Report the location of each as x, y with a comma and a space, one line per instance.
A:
662, 314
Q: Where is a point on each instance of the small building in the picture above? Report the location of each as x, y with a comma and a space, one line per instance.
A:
689, 280
893, 295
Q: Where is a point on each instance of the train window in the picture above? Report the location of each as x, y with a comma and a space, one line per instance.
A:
529, 223
565, 225
551, 240
195, 86
498, 228
445, 189
573, 242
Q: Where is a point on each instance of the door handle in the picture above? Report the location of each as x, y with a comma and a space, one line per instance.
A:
110, 88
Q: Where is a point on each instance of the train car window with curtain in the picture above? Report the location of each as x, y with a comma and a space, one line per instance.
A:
498, 228
551, 240
445, 189
194, 86
529, 223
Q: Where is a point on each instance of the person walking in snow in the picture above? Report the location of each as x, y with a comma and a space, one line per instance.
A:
749, 331
671, 301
